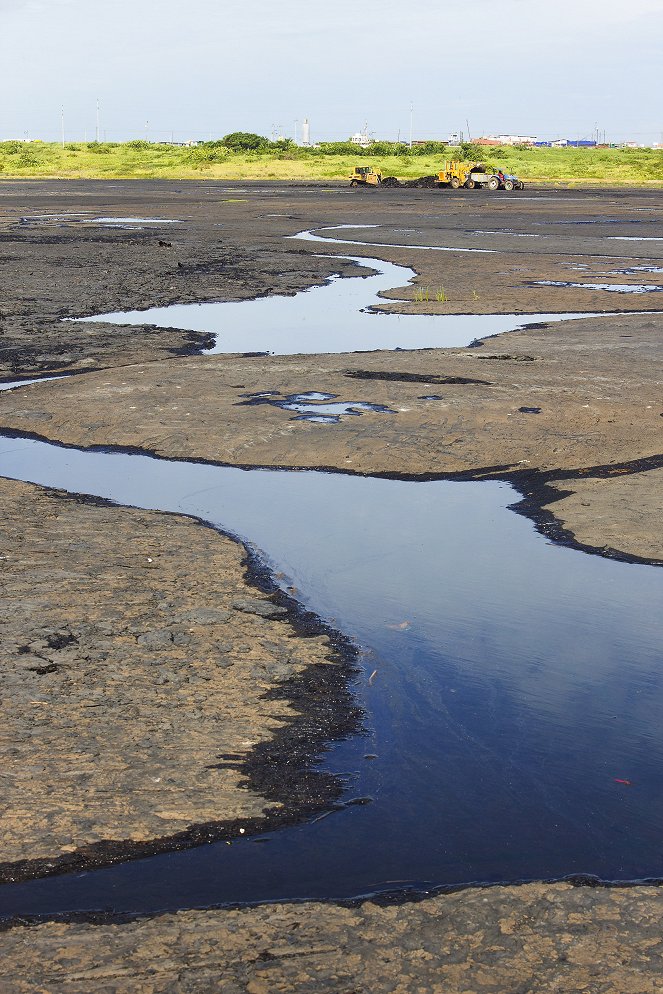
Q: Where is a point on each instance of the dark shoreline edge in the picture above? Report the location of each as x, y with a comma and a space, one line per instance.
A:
386, 898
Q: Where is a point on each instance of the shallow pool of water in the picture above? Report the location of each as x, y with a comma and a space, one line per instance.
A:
323, 408
610, 287
633, 238
319, 235
15, 384
516, 685
83, 217
634, 270
135, 220
333, 318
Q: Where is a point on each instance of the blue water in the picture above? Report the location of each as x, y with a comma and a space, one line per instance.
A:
516, 683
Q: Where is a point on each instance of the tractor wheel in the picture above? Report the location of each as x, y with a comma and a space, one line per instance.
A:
469, 184
493, 183
354, 182
508, 185
521, 186
455, 183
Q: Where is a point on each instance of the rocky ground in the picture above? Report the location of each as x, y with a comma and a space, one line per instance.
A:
534, 939
114, 616
142, 673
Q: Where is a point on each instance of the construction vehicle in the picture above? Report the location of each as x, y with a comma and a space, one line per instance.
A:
475, 174
365, 176
509, 182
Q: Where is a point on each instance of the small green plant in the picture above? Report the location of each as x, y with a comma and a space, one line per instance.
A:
441, 295
421, 296
26, 158
475, 295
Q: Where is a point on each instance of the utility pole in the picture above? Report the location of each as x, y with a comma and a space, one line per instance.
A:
411, 119
62, 124
96, 133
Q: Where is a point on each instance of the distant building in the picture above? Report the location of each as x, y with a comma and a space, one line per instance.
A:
505, 140
361, 138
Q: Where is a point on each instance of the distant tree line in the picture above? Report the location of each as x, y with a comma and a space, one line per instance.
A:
244, 141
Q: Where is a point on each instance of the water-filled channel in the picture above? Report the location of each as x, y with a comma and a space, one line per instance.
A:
518, 685
332, 318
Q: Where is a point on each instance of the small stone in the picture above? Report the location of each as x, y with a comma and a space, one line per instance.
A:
264, 609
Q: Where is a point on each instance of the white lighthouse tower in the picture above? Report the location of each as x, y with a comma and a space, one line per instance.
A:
306, 133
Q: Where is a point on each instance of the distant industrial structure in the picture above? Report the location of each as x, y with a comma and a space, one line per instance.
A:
306, 134
533, 142
506, 140
361, 138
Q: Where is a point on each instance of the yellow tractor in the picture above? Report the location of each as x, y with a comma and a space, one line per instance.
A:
365, 176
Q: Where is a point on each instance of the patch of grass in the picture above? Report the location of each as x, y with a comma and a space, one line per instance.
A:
283, 161
422, 295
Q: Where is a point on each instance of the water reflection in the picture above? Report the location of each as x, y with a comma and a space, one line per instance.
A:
517, 684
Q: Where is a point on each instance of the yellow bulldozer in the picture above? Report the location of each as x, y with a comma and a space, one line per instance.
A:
475, 174
365, 176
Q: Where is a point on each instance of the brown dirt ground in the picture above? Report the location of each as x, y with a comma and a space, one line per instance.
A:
534, 939
135, 657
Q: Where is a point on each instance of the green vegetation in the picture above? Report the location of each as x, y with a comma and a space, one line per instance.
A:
422, 296
247, 156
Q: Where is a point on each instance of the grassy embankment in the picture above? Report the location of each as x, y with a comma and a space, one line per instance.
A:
140, 160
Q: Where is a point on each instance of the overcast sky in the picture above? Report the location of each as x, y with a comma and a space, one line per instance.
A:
202, 68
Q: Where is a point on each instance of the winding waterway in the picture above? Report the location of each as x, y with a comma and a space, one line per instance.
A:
517, 683
333, 318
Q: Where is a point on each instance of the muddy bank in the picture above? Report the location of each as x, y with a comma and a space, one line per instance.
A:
594, 383
616, 512
54, 271
141, 672
534, 939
